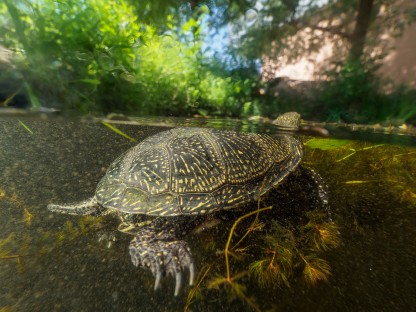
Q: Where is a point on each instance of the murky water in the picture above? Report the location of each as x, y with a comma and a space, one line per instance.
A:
51, 262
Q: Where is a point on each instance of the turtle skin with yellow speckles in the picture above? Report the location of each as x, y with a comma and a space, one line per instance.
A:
187, 171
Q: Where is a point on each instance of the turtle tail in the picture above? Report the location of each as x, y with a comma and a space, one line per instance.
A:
85, 207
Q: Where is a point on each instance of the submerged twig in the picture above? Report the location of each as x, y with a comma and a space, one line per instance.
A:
354, 151
25, 126
192, 293
255, 221
227, 246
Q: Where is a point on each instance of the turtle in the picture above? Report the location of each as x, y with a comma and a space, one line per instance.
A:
188, 171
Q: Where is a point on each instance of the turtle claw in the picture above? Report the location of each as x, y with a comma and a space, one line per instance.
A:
191, 274
107, 238
178, 283
163, 258
157, 280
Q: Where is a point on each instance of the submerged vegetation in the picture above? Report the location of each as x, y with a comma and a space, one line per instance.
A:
20, 246
280, 253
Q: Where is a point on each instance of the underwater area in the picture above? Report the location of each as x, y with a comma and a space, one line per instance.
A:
107, 204
279, 254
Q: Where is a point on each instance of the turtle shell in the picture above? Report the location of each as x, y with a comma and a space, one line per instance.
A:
196, 171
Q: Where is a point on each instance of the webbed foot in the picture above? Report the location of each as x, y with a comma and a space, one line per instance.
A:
163, 258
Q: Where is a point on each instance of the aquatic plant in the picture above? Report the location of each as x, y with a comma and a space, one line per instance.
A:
229, 282
234, 289
275, 266
319, 234
6, 252
315, 269
118, 131
365, 176
195, 293
286, 249
50, 240
18, 247
281, 251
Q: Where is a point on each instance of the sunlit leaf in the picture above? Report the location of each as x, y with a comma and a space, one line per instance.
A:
326, 144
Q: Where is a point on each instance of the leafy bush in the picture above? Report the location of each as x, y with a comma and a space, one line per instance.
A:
95, 55
356, 95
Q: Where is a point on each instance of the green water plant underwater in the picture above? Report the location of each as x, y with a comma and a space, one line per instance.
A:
281, 252
286, 250
18, 246
8, 249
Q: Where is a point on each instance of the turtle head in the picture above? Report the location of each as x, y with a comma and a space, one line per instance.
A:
289, 120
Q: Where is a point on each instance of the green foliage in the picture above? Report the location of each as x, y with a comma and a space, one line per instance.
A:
148, 58
66, 46
354, 88
356, 95
172, 78
97, 56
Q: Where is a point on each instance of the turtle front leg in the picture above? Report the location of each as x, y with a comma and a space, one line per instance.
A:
160, 251
321, 189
